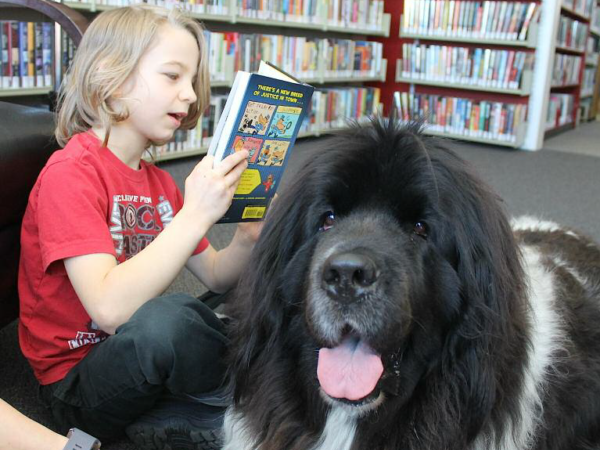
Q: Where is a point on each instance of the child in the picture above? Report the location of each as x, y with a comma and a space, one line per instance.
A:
105, 234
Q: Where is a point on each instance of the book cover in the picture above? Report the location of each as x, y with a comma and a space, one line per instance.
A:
263, 115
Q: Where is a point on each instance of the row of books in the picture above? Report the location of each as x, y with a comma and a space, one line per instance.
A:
333, 108
358, 14
463, 116
479, 66
216, 7
560, 110
502, 20
566, 70
571, 34
329, 109
361, 14
307, 58
582, 7
26, 54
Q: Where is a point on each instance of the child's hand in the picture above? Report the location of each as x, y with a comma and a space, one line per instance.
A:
208, 190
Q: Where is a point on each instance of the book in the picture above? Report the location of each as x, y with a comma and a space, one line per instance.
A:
263, 114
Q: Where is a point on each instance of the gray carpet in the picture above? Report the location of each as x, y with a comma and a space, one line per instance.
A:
559, 183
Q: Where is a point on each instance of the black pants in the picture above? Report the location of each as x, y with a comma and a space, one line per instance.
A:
171, 344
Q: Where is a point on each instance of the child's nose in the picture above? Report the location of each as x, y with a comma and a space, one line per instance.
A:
188, 94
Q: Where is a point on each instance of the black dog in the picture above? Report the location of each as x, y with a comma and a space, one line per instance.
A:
391, 305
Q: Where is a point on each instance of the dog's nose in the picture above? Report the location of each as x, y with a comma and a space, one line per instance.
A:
349, 276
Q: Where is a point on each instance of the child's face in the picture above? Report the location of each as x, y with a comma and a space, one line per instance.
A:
160, 92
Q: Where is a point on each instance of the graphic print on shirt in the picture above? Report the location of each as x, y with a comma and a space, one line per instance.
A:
93, 335
133, 222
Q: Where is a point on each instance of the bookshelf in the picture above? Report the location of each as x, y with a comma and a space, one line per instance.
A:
331, 48
320, 17
456, 54
29, 48
466, 67
570, 101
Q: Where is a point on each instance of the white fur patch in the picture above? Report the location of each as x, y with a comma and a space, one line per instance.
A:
546, 335
535, 224
236, 432
339, 431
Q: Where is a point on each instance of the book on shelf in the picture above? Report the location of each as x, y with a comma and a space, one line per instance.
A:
499, 20
482, 119
25, 54
263, 114
465, 65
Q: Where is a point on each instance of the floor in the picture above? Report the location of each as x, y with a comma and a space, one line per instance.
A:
585, 140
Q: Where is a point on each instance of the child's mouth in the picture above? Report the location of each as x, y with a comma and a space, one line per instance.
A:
177, 117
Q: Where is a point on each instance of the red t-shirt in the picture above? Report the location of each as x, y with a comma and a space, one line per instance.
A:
84, 201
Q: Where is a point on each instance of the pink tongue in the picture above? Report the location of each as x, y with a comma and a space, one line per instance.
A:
351, 370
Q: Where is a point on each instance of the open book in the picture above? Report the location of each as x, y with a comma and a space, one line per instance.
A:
263, 114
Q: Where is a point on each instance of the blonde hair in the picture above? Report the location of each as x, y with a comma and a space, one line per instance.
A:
108, 54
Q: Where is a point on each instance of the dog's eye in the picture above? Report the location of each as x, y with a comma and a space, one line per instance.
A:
327, 221
421, 229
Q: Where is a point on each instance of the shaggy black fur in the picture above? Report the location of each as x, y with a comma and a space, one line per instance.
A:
449, 314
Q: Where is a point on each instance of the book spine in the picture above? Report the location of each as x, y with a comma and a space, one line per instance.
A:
47, 60
14, 36
5, 53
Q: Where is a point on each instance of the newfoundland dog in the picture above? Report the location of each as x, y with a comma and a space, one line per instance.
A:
391, 305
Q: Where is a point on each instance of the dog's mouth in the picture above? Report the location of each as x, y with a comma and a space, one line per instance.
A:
350, 371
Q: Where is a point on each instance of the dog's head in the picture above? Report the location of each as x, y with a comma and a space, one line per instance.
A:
385, 263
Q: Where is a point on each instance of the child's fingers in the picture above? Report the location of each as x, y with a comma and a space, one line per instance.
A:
233, 176
205, 165
231, 161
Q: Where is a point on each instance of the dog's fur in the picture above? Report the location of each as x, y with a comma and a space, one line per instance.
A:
489, 334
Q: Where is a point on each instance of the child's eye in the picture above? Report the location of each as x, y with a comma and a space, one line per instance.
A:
172, 76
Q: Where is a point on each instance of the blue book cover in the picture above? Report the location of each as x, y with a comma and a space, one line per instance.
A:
266, 123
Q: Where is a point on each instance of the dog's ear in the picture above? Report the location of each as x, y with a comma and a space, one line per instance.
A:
261, 312
487, 261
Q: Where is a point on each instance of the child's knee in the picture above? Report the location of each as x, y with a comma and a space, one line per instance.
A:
175, 322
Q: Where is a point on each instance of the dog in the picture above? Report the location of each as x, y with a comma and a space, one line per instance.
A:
390, 304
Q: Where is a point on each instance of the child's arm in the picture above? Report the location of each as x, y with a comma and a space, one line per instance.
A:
20, 432
111, 293
219, 271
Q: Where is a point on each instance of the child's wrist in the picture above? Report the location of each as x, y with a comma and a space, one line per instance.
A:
189, 222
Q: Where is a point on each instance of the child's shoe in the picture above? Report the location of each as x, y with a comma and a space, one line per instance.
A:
181, 423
